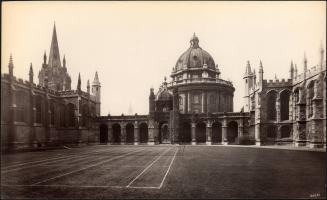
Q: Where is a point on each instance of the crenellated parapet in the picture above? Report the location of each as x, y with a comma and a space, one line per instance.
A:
277, 83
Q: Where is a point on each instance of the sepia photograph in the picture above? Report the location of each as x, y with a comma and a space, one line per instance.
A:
163, 100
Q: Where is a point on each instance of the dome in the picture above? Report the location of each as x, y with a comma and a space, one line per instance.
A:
164, 94
194, 57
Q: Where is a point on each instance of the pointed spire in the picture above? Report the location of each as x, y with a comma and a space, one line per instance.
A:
248, 68
88, 86
44, 57
54, 56
11, 66
96, 79
79, 82
291, 70
305, 62
295, 70
64, 61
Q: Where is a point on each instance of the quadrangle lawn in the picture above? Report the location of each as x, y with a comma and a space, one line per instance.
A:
105, 171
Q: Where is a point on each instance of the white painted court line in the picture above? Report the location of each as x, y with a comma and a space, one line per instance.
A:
148, 167
65, 174
49, 162
50, 159
172, 160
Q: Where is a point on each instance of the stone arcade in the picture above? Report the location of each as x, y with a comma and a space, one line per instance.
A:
195, 107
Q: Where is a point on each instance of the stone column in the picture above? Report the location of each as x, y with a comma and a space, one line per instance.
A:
278, 108
240, 128
136, 134
188, 102
208, 133
123, 134
185, 103
257, 133
224, 132
202, 102
151, 133
193, 133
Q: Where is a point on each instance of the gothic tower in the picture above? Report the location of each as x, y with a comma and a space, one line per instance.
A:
96, 91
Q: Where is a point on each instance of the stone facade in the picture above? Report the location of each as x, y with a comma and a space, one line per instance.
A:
49, 113
195, 107
288, 111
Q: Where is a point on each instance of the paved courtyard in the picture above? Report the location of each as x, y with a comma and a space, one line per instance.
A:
104, 171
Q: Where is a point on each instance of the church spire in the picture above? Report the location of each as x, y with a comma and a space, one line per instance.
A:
54, 56
79, 82
11, 66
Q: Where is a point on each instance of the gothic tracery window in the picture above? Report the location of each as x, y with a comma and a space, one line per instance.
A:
271, 99
38, 107
21, 107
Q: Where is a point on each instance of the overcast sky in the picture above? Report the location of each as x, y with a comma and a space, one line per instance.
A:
133, 45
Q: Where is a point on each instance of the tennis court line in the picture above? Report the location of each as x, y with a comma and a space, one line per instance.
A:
172, 160
145, 169
50, 160
3, 171
68, 173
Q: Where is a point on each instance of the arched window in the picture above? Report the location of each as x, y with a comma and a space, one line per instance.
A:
21, 106
285, 131
38, 107
310, 94
71, 114
271, 105
284, 105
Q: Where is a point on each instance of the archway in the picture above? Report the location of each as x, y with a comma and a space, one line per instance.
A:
129, 133
200, 132
164, 134
232, 132
143, 133
103, 133
116, 133
185, 133
216, 132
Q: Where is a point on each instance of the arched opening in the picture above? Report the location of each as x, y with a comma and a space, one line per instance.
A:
284, 105
129, 133
103, 134
200, 131
164, 133
116, 133
310, 94
232, 132
216, 132
71, 115
185, 133
272, 132
143, 133
285, 131
271, 105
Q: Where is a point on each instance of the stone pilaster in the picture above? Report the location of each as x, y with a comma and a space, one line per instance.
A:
224, 127
208, 133
193, 133
123, 134
136, 134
